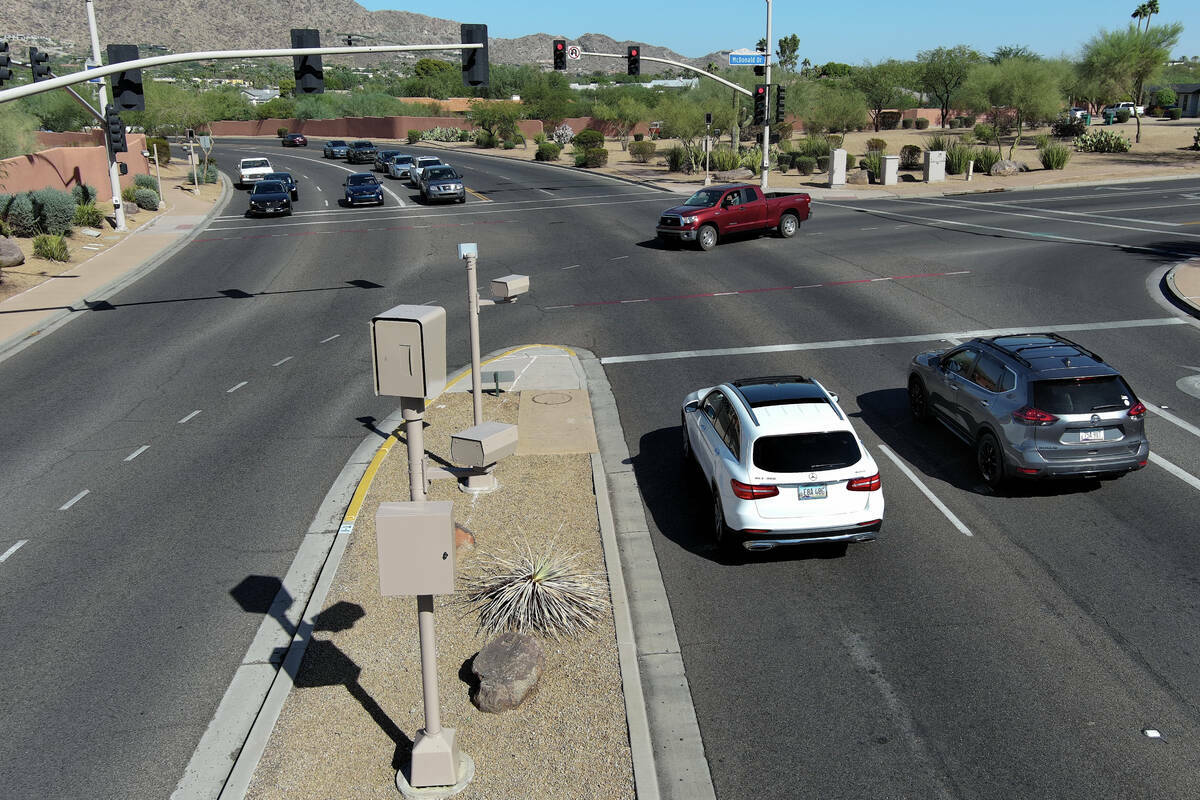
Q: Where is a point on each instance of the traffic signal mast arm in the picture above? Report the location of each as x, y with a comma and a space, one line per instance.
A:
78, 98
644, 57
18, 92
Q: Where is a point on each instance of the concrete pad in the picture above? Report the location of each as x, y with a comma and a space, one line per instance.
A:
552, 421
534, 368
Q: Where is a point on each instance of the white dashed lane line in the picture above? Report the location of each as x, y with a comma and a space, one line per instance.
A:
137, 452
74, 500
330, 338
13, 549
233, 389
189, 416
282, 361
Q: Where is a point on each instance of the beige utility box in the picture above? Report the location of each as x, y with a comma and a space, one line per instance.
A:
483, 444
408, 348
416, 548
510, 286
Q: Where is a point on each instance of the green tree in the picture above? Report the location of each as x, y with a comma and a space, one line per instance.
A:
789, 52
225, 103
57, 111
548, 97
1018, 90
683, 119
1144, 12
18, 131
1006, 52
833, 106
883, 87
622, 116
1129, 59
497, 117
943, 72
835, 69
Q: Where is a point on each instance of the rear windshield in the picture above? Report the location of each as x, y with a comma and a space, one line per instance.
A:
267, 187
402, 160
1083, 395
337, 143
804, 452
362, 144
362, 180
255, 162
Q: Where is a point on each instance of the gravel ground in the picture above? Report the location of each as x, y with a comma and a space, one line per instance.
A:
356, 705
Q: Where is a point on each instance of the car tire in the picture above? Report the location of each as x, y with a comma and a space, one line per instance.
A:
918, 399
295, 196
789, 223
989, 458
706, 238
721, 536
462, 199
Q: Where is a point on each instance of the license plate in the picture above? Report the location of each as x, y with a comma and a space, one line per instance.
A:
1091, 436
812, 491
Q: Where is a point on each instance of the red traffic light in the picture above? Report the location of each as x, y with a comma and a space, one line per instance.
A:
760, 90
633, 52
558, 45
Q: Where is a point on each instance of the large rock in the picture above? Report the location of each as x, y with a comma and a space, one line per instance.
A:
508, 667
10, 254
858, 176
1004, 168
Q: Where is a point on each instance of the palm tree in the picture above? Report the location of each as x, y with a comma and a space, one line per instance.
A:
1140, 13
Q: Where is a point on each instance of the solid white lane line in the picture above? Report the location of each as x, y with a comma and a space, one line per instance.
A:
329, 339
912, 476
920, 337
137, 452
233, 389
189, 416
1169, 417
74, 500
636, 301
618, 258
573, 266
13, 549
1041, 216
282, 361
543, 191
1183, 475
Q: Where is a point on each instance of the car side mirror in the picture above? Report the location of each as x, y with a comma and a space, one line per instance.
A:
834, 396
691, 406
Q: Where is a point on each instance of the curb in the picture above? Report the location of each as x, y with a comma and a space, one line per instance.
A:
1190, 305
34, 332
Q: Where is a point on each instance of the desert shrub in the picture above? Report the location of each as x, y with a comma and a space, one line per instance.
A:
641, 150
595, 157
465, 135
1055, 156
146, 198
850, 161
1065, 128
563, 134
54, 210
87, 216
485, 140
81, 193
823, 163
723, 159
548, 151
751, 158
159, 145
876, 144
677, 159
1154, 111
1196, 140
804, 164
873, 162
937, 141
5, 231
906, 123
889, 120
1102, 141
1123, 115
207, 174
414, 136
1165, 97
969, 121
5, 199
1174, 113
985, 159
587, 139
921, 123
637, 137
127, 194
958, 155
539, 138
52, 247
509, 144
20, 216
815, 146
145, 182
984, 132
281, 132
910, 157
1041, 141
835, 140
954, 122
782, 162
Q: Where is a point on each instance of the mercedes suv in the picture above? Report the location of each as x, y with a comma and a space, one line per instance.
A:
1032, 405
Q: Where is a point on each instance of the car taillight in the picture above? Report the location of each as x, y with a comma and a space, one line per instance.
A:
871, 484
1033, 416
747, 491
1138, 410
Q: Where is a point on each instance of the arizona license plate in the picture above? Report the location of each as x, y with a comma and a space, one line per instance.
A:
812, 491
1091, 436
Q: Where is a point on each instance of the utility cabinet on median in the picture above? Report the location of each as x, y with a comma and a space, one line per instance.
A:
416, 548
408, 348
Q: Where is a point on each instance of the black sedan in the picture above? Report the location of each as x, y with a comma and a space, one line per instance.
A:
269, 197
287, 180
363, 187
295, 140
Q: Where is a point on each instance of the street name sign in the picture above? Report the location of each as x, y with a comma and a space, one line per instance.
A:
747, 58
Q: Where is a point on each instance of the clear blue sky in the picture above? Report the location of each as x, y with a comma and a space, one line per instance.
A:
829, 31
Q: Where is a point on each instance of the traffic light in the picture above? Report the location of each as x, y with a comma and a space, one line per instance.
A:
115, 130
560, 53
760, 70
310, 77
475, 61
760, 104
780, 94
634, 54
5, 63
37, 61
127, 86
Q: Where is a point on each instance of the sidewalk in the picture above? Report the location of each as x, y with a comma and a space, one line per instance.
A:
42, 308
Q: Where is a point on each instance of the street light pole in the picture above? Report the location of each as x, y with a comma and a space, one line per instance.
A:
114, 175
766, 140
473, 317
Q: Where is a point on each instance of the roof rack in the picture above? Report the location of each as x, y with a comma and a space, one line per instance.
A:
1016, 352
771, 379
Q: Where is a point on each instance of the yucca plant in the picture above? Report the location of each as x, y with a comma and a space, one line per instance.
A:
937, 141
52, 247
985, 159
957, 158
722, 159
1042, 141
1055, 156
536, 592
873, 163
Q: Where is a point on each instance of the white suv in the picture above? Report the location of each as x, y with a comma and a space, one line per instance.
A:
782, 463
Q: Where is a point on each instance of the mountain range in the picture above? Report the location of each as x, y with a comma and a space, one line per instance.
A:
244, 24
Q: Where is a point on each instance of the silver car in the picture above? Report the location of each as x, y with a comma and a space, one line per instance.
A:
1034, 405
398, 166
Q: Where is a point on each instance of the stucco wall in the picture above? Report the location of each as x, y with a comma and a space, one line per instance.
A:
64, 167
354, 127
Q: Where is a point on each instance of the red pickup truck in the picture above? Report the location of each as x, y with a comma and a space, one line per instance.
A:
717, 211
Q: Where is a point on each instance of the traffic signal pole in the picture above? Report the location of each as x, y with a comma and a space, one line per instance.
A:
766, 140
114, 174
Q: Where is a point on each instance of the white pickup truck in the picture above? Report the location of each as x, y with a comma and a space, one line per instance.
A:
1133, 109
252, 170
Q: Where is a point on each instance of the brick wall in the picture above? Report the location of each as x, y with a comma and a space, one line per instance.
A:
354, 127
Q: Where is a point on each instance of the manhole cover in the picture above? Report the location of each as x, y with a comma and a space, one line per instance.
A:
552, 398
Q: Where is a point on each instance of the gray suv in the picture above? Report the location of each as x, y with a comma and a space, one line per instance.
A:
1033, 405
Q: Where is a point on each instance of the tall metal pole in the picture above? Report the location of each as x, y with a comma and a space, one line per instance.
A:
413, 411
766, 140
473, 316
433, 716
114, 175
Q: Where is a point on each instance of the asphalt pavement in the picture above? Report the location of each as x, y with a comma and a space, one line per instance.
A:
986, 646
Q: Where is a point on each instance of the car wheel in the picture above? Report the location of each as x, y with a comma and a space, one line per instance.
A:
707, 238
295, 195
720, 528
462, 199
918, 399
788, 225
990, 460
